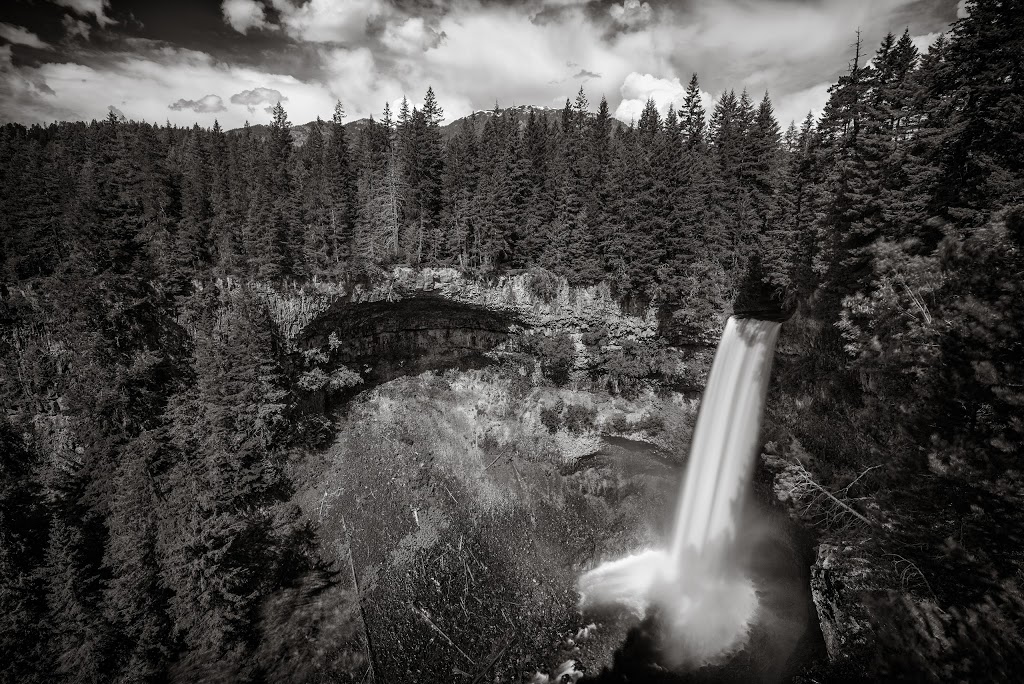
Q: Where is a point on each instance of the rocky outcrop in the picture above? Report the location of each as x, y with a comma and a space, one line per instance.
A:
839, 579
536, 299
421, 325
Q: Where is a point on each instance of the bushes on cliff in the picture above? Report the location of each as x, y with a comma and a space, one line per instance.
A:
621, 364
557, 355
551, 416
543, 285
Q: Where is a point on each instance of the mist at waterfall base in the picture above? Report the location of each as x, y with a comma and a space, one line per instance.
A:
704, 594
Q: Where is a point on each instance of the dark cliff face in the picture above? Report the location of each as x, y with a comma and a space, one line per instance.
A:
409, 335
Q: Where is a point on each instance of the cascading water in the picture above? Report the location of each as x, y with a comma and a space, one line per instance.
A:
703, 599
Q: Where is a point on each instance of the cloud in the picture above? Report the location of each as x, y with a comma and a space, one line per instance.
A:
257, 96
243, 15
20, 36
204, 105
632, 13
143, 80
116, 112
473, 52
514, 60
76, 28
85, 8
795, 106
410, 36
922, 43
330, 21
638, 88
961, 10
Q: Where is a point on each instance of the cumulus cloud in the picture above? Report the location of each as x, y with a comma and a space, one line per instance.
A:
243, 15
143, 80
20, 36
632, 13
638, 88
516, 59
258, 96
330, 21
473, 52
76, 28
19, 92
85, 8
204, 105
410, 36
922, 43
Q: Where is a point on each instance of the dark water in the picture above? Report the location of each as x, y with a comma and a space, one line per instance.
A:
635, 457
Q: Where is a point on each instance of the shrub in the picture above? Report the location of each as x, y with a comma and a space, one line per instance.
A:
625, 366
313, 356
313, 380
619, 423
543, 285
596, 338
650, 422
344, 377
551, 416
557, 356
579, 418
316, 379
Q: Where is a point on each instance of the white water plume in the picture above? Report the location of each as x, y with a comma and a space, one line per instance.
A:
703, 600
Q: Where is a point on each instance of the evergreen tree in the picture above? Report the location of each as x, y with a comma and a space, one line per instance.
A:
79, 633
135, 597
311, 177
23, 610
340, 189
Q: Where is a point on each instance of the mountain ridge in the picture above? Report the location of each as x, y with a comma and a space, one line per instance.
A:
477, 120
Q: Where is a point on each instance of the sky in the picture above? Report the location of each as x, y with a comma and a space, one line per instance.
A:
194, 61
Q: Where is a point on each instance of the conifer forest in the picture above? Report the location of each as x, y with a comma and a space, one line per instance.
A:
249, 435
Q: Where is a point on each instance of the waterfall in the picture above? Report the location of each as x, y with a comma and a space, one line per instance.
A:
706, 602
725, 440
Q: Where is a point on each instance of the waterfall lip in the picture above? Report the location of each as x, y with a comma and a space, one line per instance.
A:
772, 314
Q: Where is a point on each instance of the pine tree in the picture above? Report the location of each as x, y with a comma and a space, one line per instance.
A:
432, 162
598, 182
457, 191
538, 149
311, 177
188, 251
279, 240
340, 189
23, 635
225, 239
80, 635
135, 598
693, 117
979, 96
